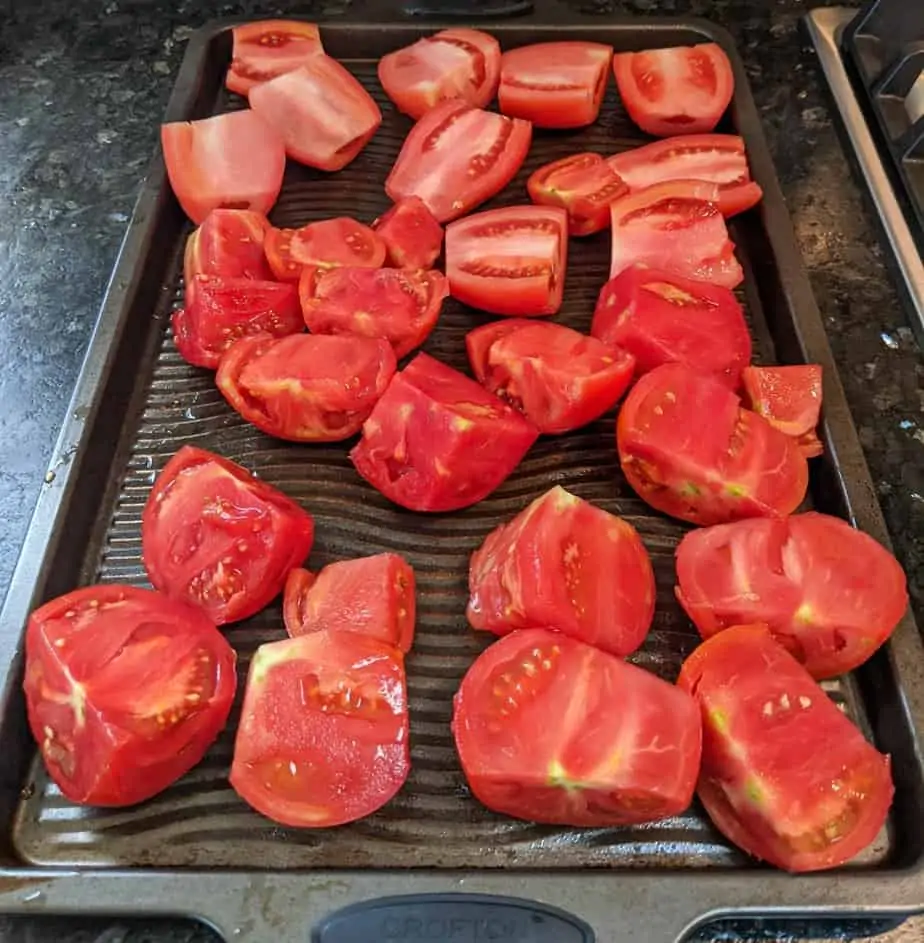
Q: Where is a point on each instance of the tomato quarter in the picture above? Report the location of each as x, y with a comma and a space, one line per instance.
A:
412, 237
228, 244
788, 398
338, 241
267, 48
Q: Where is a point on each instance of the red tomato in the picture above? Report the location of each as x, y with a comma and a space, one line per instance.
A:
217, 537
675, 227
785, 775
584, 184
829, 593
788, 398
413, 238
267, 48
277, 246
221, 310
370, 595
559, 378
307, 387
229, 244
321, 112
458, 156
233, 161
323, 738
462, 64
339, 241
509, 261
125, 689
549, 729
679, 90
563, 563
661, 318
554, 85
399, 305
688, 448
717, 158
437, 441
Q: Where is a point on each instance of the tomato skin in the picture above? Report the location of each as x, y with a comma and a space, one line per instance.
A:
437, 441
125, 691
785, 775
338, 241
789, 398
688, 449
267, 48
215, 536
540, 718
662, 318
228, 244
413, 238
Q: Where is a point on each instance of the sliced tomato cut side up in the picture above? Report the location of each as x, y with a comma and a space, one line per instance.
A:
277, 245
785, 775
788, 398
338, 241
228, 244
267, 48
413, 238
323, 737
549, 729
126, 690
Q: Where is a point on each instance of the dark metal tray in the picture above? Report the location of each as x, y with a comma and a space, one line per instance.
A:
198, 850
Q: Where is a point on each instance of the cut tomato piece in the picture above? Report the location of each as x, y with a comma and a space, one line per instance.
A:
509, 261
437, 441
549, 729
461, 64
215, 536
267, 48
661, 318
412, 237
554, 85
126, 690
321, 112
559, 378
688, 448
338, 241
788, 398
233, 161
678, 90
458, 156
228, 244
277, 245
566, 564
785, 775
323, 737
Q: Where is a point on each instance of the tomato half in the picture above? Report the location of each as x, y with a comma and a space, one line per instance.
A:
437, 441
215, 536
232, 161
678, 90
785, 775
662, 318
371, 595
323, 737
277, 246
788, 398
675, 227
584, 184
717, 158
307, 387
229, 244
338, 241
320, 110
554, 85
549, 729
458, 156
125, 690
267, 48
829, 593
462, 64
220, 310
559, 378
412, 236
688, 448
509, 261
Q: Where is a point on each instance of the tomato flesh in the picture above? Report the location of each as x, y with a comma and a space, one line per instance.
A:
267, 48
788, 398
338, 241
413, 238
228, 244
277, 246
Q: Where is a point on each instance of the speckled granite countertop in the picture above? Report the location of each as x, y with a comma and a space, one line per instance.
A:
83, 85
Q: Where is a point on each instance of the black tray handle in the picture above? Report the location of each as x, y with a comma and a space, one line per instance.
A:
452, 9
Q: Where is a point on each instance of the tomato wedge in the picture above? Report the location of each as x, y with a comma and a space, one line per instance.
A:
661, 318
458, 156
678, 90
413, 238
461, 64
554, 85
215, 536
277, 246
549, 729
785, 775
788, 398
338, 241
688, 448
676, 227
323, 737
559, 378
509, 261
320, 110
267, 48
307, 387
232, 161
125, 690
437, 441
229, 244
